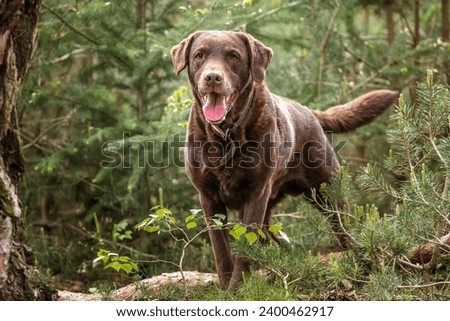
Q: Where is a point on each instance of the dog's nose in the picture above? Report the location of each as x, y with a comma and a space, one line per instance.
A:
213, 78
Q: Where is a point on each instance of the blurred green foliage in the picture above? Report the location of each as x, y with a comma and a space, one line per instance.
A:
103, 116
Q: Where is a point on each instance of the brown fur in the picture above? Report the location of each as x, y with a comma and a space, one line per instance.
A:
281, 145
358, 112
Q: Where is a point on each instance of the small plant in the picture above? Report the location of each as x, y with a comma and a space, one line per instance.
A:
162, 220
116, 262
237, 231
121, 233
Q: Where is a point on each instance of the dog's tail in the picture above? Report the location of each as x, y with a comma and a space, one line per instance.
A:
356, 113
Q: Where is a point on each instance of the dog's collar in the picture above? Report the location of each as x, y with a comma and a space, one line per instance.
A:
226, 135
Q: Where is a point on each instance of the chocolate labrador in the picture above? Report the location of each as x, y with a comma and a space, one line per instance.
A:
247, 148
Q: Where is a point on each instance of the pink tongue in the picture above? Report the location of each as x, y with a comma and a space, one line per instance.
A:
214, 109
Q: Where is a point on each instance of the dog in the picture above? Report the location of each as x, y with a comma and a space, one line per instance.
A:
247, 148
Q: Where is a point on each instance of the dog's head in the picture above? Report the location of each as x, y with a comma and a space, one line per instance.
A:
221, 65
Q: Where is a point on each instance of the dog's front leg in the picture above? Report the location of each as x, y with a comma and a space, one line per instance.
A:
219, 239
252, 217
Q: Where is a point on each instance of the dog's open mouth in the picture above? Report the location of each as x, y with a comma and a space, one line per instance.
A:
215, 107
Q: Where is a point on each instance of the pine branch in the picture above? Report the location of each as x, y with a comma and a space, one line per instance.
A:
421, 286
70, 26
272, 12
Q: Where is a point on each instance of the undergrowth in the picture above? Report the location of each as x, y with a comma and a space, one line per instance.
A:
414, 179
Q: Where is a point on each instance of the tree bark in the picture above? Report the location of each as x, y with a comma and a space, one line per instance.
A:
390, 24
18, 30
428, 253
446, 36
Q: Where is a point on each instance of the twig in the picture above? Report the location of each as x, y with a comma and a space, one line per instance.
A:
160, 261
283, 278
273, 11
62, 121
434, 257
442, 295
296, 215
355, 56
188, 241
64, 21
357, 280
101, 240
376, 74
409, 264
337, 213
446, 184
423, 285
431, 136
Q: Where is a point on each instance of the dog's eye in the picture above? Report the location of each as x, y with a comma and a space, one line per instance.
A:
234, 56
199, 55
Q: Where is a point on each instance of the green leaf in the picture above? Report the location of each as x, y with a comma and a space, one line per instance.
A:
251, 237
195, 211
217, 223
152, 228
156, 207
247, 3
189, 218
142, 224
124, 264
221, 217
102, 252
124, 259
114, 265
237, 231
134, 266
191, 225
218, 219
122, 225
262, 234
276, 228
127, 268
125, 236
162, 212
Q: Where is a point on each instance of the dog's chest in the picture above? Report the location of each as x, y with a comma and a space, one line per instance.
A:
232, 185
233, 182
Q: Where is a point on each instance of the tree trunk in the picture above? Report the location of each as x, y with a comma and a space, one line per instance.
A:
416, 42
18, 30
446, 37
390, 25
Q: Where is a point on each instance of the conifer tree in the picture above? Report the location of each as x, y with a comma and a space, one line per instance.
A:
419, 167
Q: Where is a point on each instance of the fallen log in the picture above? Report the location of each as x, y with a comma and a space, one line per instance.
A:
428, 253
425, 255
129, 292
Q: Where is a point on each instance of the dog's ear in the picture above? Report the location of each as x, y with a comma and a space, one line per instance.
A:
259, 55
180, 53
